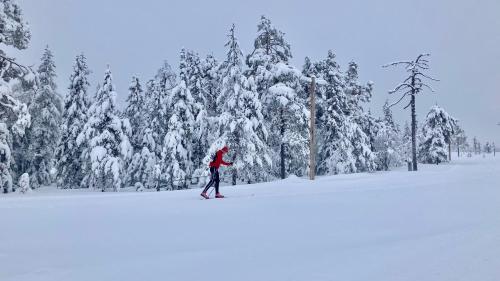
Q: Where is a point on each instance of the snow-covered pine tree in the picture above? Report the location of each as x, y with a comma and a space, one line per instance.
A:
317, 69
145, 164
136, 112
191, 72
5, 159
270, 48
24, 91
14, 30
280, 91
210, 84
411, 86
241, 124
437, 130
158, 100
44, 133
407, 142
205, 131
143, 167
388, 143
335, 130
287, 121
14, 114
70, 165
105, 141
363, 130
176, 163
24, 183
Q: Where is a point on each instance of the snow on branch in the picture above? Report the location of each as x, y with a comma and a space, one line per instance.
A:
413, 84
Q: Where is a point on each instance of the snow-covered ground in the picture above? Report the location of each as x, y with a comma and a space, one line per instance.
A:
441, 223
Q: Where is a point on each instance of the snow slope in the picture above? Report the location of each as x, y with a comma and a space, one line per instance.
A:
441, 223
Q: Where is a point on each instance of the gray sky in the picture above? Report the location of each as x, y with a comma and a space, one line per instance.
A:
134, 37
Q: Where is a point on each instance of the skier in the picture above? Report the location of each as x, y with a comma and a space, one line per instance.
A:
214, 172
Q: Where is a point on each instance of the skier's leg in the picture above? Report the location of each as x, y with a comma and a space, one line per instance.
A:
212, 176
217, 180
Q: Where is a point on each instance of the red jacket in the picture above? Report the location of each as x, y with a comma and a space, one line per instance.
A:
218, 159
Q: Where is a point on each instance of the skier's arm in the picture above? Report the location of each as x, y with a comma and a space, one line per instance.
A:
225, 163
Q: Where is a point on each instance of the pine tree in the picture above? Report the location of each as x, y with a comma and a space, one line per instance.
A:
270, 46
389, 146
159, 104
363, 127
14, 114
70, 165
407, 143
44, 133
336, 148
24, 183
144, 167
191, 72
176, 165
241, 123
210, 84
135, 112
5, 159
14, 31
437, 130
280, 91
104, 137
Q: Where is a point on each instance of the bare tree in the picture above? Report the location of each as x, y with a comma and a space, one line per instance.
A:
411, 86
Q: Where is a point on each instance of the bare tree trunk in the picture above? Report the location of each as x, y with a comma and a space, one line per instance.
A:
413, 133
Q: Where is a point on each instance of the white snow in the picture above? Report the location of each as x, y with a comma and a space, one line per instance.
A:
440, 223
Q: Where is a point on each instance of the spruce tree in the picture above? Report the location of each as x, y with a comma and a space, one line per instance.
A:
363, 129
335, 130
191, 72
176, 165
241, 123
281, 92
70, 165
437, 130
14, 114
105, 141
210, 84
159, 103
44, 133
136, 112
389, 147
5, 159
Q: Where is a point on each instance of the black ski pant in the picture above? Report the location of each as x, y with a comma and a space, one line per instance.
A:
214, 179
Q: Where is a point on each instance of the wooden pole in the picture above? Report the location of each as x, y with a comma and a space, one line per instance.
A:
312, 130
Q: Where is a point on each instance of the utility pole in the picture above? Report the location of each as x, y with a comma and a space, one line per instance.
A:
312, 130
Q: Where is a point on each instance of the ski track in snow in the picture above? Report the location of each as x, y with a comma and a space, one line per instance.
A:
441, 223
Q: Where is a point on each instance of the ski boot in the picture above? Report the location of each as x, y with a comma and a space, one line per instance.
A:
204, 195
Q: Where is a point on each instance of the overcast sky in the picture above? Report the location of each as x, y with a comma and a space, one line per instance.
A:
134, 37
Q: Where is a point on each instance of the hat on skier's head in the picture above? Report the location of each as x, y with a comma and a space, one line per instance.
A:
225, 149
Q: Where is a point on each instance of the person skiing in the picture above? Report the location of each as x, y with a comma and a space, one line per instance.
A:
217, 161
